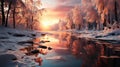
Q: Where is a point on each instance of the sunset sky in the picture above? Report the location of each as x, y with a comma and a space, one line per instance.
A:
56, 9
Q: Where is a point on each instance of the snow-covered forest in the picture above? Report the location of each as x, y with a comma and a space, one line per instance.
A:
87, 15
93, 15
17, 13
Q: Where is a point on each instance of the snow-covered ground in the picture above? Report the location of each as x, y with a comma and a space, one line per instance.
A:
9, 44
10, 37
101, 35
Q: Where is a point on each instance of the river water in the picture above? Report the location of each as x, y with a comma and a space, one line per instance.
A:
66, 50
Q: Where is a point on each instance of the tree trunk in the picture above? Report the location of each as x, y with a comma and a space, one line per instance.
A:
108, 18
116, 18
86, 28
14, 22
98, 25
9, 7
105, 21
32, 23
2, 11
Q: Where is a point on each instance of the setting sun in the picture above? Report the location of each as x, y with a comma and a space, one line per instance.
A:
47, 20
47, 23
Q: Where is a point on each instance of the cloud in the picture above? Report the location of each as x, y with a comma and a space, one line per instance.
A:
61, 10
64, 6
60, 7
62, 0
69, 2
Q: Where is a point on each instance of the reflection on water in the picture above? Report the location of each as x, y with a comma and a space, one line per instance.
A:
65, 50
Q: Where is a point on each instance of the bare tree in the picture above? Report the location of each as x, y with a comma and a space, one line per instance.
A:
9, 2
2, 11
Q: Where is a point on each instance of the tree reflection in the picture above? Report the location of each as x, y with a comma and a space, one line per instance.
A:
92, 53
81, 48
65, 44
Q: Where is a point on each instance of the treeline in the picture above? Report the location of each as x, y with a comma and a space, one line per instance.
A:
20, 13
93, 15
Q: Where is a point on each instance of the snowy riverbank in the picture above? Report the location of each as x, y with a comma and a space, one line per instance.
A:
11, 39
100, 35
9, 46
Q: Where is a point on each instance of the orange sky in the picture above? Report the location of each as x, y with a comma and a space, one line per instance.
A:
55, 10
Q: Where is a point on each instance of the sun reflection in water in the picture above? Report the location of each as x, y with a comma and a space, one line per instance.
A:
49, 38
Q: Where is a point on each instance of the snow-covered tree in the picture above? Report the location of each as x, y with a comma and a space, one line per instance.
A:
69, 20
95, 14
77, 17
62, 25
17, 13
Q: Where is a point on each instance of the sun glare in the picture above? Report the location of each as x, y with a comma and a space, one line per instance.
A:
48, 19
46, 24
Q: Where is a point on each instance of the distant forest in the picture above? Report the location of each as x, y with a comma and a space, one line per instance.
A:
89, 15
93, 15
